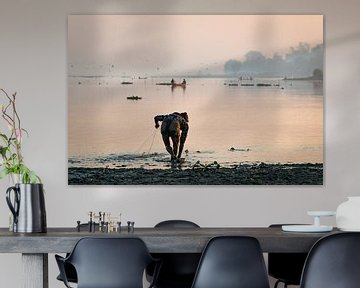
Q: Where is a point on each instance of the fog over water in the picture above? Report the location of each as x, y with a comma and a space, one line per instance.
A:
176, 44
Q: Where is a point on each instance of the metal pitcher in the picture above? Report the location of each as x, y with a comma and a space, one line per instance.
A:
28, 207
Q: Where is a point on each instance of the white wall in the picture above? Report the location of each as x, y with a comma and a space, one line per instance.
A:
33, 62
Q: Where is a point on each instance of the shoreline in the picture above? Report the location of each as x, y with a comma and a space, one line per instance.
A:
244, 174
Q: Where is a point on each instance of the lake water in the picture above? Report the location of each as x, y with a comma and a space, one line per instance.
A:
282, 123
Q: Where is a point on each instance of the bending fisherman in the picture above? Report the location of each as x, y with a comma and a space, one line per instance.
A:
176, 127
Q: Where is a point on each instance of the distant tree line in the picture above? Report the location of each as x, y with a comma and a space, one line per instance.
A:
300, 61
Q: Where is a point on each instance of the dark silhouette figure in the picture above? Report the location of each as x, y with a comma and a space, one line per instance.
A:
174, 126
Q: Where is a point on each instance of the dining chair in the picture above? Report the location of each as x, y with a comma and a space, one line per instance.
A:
108, 263
178, 269
285, 267
232, 262
69, 269
333, 262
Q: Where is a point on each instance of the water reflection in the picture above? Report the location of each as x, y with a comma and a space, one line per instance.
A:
268, 124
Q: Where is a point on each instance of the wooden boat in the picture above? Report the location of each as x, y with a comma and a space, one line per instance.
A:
183, 85
133, 98
163, 83
247, 84
126, 83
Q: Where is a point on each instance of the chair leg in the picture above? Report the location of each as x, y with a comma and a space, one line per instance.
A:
279, 281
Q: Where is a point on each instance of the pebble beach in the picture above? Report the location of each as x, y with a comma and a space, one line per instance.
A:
242, 174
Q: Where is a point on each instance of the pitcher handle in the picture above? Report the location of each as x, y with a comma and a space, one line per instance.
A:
13, 208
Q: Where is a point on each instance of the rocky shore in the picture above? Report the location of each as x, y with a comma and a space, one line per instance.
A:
243, 174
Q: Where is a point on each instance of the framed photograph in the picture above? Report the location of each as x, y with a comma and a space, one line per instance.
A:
195, 100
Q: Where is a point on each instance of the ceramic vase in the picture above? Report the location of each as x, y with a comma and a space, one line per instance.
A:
27, 204
348, 214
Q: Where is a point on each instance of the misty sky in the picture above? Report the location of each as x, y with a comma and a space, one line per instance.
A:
160, 44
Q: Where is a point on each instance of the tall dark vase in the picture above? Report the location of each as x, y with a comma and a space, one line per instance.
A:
27, 204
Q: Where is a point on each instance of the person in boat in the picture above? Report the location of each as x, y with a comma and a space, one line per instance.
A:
174, 126
172, 81
183, 82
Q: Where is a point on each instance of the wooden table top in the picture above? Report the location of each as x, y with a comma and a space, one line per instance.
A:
158, 240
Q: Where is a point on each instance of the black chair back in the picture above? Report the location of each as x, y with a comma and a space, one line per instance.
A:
333, 262
232, 262
108, 262
178, 269
176, 224
69, 269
